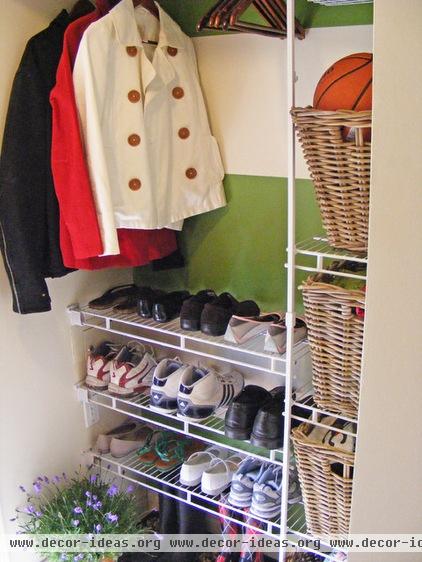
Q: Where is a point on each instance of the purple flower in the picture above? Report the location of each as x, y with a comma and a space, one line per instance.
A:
78, 510
97, 505
88, 503
78, 557
38, 513
37, 487
88, 494
93, 478
75, 522
64, 556
56, 479
112, 517
29, 509
97, 528
94, 498
113, 490
40, 478
46, 480
22, 489
130, 489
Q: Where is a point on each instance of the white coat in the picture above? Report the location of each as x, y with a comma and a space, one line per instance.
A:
151, 156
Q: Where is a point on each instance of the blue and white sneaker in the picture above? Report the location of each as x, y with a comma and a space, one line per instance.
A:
165, 385
243, 482
266, 496
202, 391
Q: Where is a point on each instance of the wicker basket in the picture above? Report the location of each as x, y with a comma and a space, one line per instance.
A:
335, 334
340, 170
327, 495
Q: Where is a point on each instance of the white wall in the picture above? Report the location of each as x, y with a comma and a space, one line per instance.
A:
41, 423
388, 487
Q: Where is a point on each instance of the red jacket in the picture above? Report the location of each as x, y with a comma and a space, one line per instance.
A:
80, 239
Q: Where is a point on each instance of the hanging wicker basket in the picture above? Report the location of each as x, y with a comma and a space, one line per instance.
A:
340, 170
326, 480
335, 333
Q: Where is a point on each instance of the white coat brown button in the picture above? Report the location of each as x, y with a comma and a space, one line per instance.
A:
184, 133
134, 96
191, 173
132, 51
135, 184
134, 140
178, 92
172, 51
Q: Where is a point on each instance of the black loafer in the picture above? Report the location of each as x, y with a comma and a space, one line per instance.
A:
168, 307
190, 314
216, 314
241, 413
146, 302
268, 428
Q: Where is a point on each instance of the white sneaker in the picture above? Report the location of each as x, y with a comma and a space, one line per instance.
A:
165, 385
219, 475
131, 371
203, 390
98, 364
193, 468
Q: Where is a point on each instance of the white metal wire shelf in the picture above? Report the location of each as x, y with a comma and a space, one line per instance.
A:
250, 354
132, 469
318, 248
211, 430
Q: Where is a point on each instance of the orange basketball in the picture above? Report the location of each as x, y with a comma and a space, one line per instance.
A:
347, 84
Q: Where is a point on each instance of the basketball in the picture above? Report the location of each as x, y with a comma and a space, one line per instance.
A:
347, 84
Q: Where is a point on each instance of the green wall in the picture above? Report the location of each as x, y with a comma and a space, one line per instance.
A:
241, 248
189, 12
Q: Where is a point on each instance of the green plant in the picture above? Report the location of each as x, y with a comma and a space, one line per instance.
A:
83, 504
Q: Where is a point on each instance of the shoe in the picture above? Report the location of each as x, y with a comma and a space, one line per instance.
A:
147, 453
219, 475
130, 304
241, 413
165, 385
193, 468
175, 452
276, 337
249, 471
216, 314
98, 364
125, 444
266, 496
268, 427
242, 329
104, 439
295, 494
168, 307
131, 371
190, 314
146, 302
203, 390
113, 296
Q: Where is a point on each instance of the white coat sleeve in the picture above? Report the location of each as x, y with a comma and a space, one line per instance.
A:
90, 86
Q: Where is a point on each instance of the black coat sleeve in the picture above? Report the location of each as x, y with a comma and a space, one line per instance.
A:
23, 168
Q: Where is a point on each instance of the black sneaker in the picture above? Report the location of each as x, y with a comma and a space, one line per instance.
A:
190, 315
241, 413
216, 314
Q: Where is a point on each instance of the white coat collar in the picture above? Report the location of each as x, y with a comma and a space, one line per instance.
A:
124, 21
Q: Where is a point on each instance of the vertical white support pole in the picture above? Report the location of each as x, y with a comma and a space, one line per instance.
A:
291, 289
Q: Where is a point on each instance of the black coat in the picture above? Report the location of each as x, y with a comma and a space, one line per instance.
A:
29, 213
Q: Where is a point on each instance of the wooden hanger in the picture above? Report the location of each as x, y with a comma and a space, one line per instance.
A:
148, 5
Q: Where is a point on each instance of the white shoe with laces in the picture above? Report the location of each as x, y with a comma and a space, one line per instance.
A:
98, 364
165, 385
131, 371
203, 390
